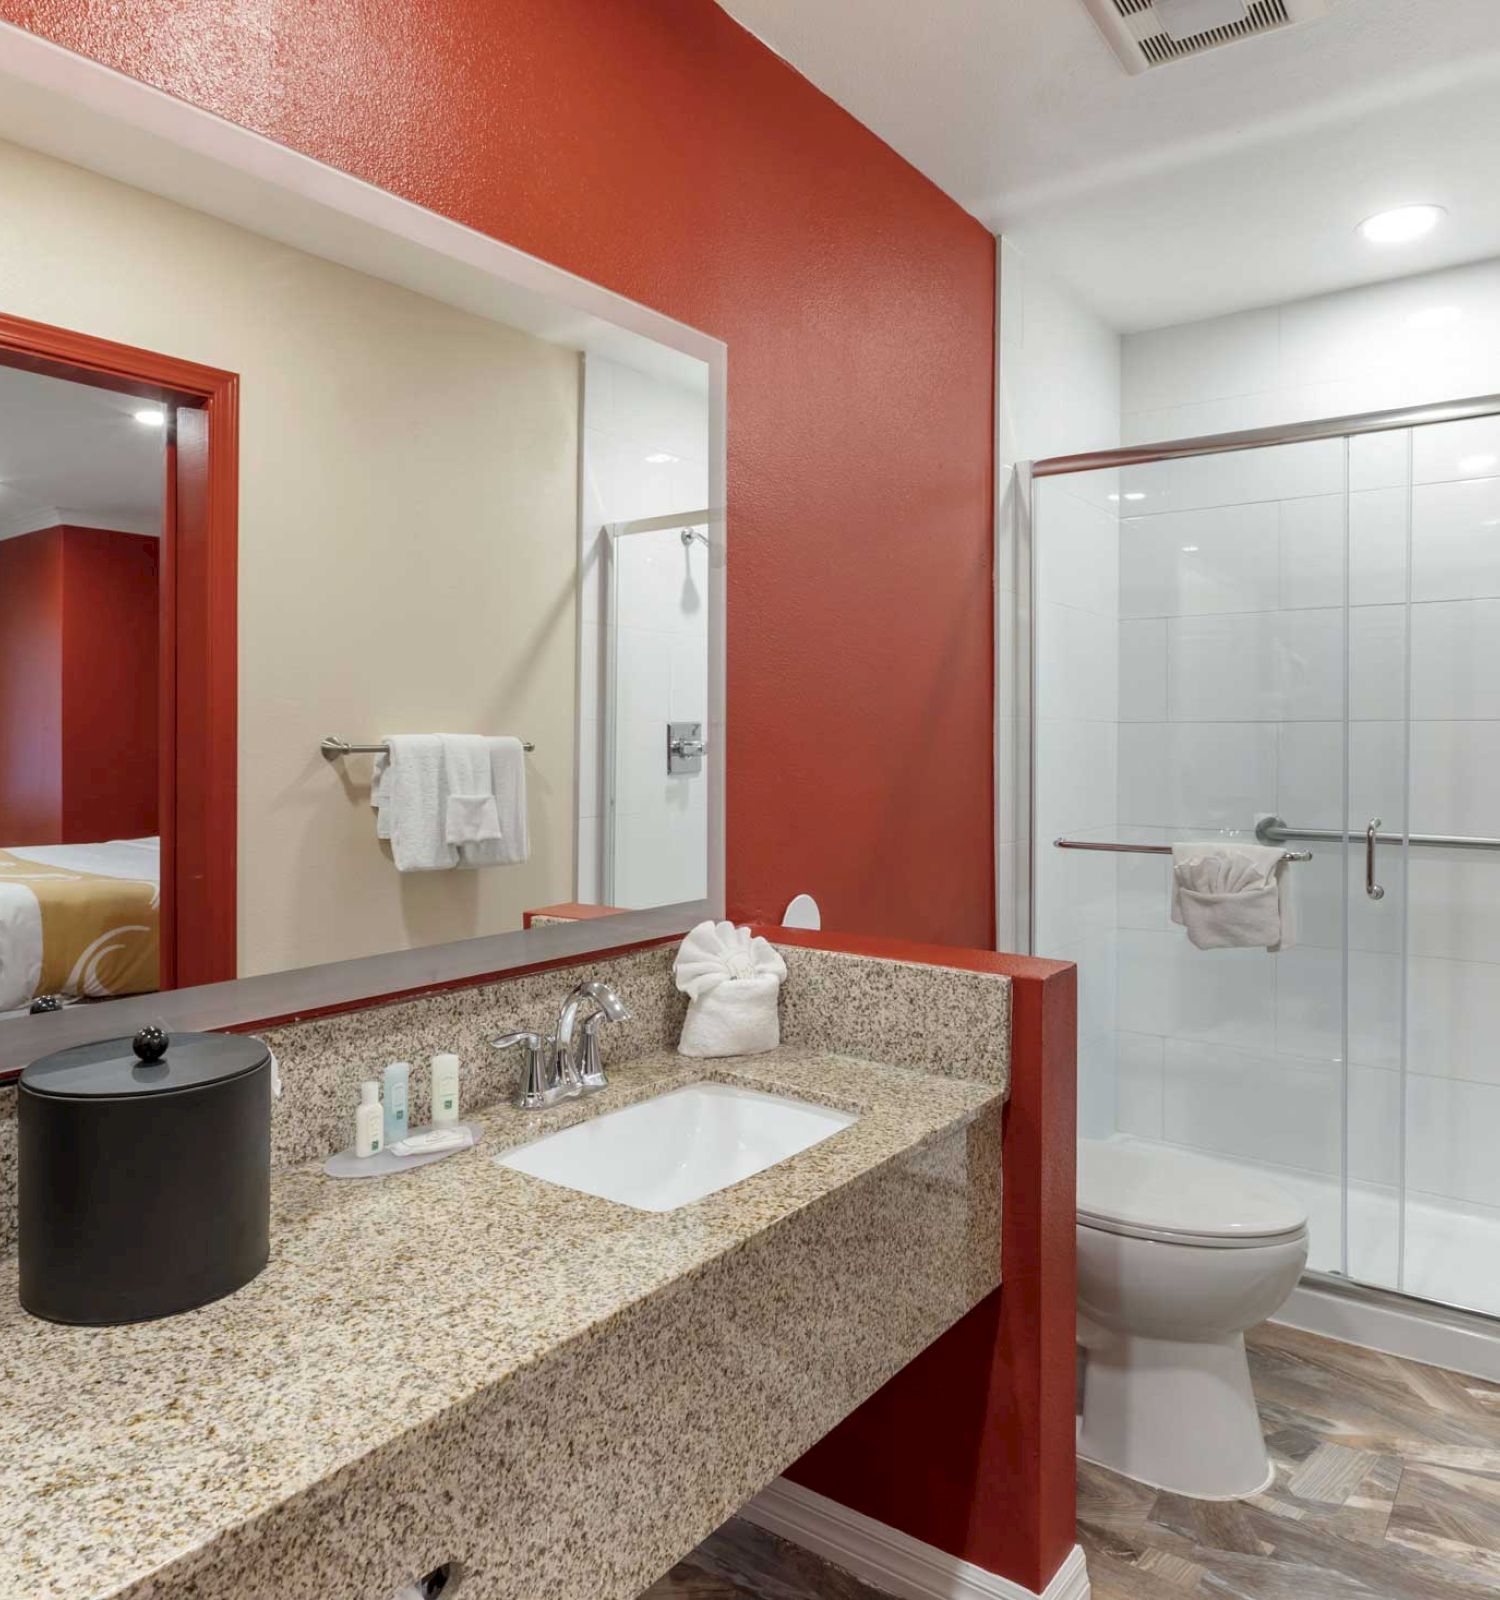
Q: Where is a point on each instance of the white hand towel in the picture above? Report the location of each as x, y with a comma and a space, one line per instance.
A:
507, 776
408, 793
1233, 896
381, 791
469, 814
733, 982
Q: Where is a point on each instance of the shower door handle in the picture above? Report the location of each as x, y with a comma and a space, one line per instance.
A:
1372, 838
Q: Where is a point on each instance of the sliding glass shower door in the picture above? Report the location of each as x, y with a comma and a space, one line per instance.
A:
1424, 923
1376, 820
1300, 644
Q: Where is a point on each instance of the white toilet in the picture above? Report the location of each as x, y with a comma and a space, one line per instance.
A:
1177, 1256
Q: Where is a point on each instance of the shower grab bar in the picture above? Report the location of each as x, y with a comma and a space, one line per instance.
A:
1153, 849
1272, 830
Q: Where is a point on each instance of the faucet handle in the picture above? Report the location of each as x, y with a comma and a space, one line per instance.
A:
540, 1086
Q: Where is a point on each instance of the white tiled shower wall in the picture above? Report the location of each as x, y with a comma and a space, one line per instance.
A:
645, 454
1408, 342
1230, 695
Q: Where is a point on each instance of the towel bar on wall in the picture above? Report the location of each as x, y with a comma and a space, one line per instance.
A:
1156, 849
334, 748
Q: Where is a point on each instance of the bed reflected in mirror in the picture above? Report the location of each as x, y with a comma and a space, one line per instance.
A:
82, 504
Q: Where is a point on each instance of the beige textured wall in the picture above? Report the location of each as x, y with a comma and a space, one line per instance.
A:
408, 533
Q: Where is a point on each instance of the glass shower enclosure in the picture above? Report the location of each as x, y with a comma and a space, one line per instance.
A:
1290, 637
655, 650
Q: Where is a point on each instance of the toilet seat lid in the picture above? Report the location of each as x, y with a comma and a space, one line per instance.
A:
1158, 1192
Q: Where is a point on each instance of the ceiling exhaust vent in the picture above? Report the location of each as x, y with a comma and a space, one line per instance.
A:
1154, 33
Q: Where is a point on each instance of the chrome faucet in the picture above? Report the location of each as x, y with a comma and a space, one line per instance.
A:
587, 1067
557, 1068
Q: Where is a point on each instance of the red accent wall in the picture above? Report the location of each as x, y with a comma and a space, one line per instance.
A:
658, 148
78, 686
31, 688
110, 694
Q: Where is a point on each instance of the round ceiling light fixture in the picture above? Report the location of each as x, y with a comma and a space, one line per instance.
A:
1401, 225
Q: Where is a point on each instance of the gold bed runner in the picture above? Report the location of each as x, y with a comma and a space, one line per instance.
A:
100, 936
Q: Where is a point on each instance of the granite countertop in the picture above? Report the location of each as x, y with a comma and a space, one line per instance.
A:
386, 1303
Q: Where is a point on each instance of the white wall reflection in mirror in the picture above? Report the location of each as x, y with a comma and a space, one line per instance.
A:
423, 494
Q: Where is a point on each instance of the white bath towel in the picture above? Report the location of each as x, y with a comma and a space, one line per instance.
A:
1233, 896
408, 792
470, 817
733, 982
507, 776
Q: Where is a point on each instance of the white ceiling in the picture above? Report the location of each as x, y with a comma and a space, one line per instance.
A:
1233, 179
70, 453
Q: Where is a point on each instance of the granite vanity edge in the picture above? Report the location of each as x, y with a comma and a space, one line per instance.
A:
725, 1236
434, 1433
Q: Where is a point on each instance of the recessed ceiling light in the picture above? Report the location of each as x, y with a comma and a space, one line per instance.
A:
151, 419
1402, 224
1135, 497
1469, 465
1190, 549
659, 458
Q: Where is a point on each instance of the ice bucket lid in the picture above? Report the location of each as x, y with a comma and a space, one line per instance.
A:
152, 1063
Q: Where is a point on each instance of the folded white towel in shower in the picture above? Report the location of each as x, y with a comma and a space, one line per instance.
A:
1233, 896
511, 843
733, 982
409, 795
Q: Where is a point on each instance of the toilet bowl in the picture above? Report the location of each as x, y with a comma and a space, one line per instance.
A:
1177, 1256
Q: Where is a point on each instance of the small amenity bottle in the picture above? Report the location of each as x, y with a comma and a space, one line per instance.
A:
444, 1090
368, 1135
397, 1086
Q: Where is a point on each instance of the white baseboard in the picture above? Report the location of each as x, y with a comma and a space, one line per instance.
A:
1460, 1341
892, 1560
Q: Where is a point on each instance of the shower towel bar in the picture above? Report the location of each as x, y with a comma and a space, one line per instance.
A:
1156, 849
334, 748
1272, 830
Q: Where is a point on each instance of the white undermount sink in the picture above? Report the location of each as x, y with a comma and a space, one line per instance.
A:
671, 1150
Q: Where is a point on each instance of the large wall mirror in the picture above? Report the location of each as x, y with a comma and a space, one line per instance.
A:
360, 583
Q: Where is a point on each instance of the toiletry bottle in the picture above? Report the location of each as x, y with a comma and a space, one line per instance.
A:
397, 1085
444, 1090
368, 1134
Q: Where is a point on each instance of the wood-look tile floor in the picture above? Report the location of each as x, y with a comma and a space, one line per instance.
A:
743, 1562
1387, 1488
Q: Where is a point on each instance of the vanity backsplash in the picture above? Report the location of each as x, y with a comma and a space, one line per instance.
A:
939, 1019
